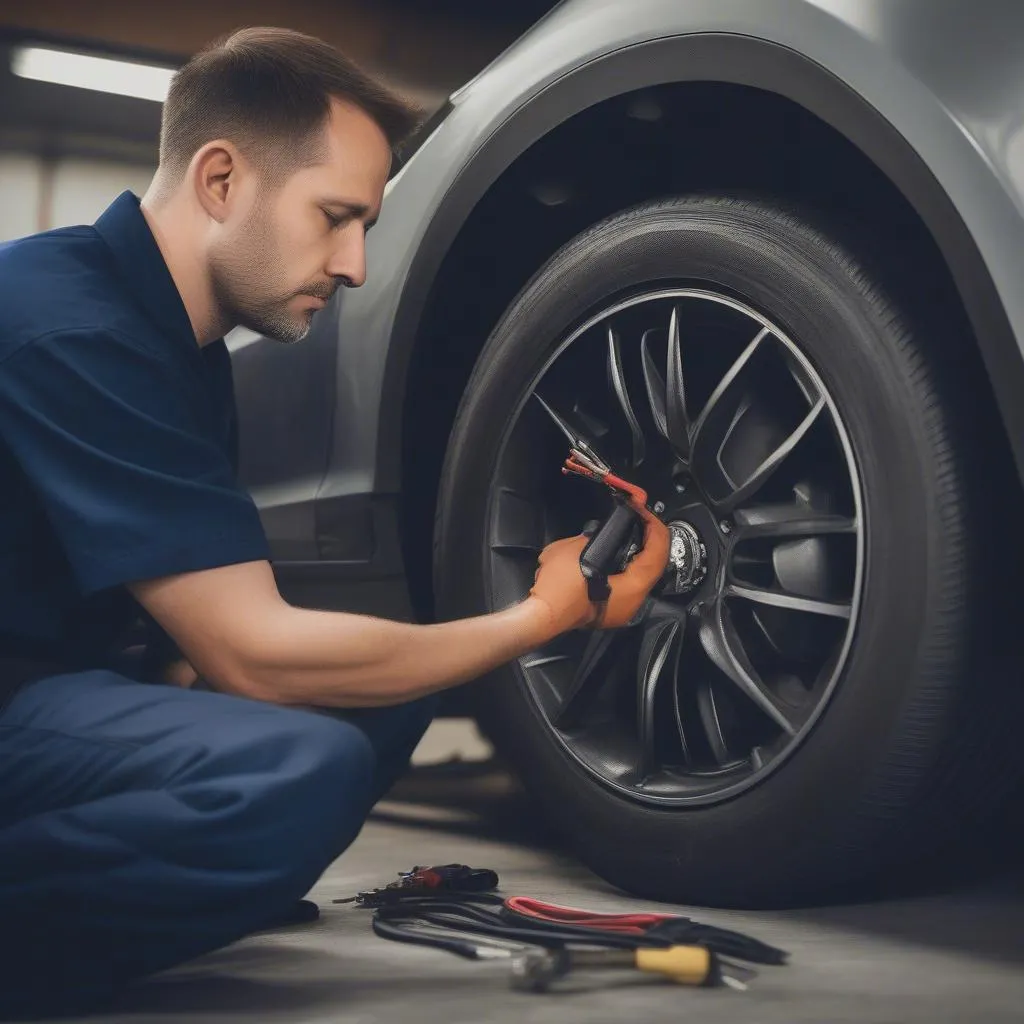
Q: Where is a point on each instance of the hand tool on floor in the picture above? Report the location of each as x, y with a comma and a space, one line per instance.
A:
478, 923
537, 970
424, 881
443, 925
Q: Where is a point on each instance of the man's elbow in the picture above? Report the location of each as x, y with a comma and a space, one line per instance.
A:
228, 622
239, 671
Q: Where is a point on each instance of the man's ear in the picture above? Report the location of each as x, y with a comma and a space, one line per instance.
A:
216, 174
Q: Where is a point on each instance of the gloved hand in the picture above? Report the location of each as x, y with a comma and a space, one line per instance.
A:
560, 583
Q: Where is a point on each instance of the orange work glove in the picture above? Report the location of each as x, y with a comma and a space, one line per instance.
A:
561, 585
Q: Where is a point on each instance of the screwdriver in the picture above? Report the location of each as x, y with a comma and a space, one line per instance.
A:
535, 970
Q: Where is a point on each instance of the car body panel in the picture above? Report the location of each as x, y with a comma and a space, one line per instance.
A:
932, 90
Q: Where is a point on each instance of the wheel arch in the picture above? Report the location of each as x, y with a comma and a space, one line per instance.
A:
718, 59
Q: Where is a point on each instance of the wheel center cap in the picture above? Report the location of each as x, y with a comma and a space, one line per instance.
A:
687, 557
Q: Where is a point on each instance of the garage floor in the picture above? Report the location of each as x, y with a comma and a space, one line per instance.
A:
953, 957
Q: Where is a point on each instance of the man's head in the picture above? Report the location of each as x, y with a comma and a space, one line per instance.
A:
274, 151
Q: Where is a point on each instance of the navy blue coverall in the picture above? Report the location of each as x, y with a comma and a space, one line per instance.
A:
141, 824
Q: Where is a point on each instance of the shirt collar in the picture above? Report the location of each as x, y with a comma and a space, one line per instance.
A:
141, 263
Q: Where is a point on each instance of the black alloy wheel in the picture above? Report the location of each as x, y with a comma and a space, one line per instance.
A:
803, 704
738, 653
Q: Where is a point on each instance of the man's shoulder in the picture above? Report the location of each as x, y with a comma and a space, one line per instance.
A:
49, 254
56, 281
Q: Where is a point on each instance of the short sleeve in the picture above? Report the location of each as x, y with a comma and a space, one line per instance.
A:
114, 440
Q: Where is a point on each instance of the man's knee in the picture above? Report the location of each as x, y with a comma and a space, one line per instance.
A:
318, 759
329, 779
294, 786
314, 751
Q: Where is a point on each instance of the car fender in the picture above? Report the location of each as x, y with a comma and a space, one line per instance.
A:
960, 165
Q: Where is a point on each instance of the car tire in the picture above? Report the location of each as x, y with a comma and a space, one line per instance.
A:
904, 756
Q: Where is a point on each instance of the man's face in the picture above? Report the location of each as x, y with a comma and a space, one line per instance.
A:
290, 249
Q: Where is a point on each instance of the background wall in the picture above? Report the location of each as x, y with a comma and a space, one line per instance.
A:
66, 152
39, 193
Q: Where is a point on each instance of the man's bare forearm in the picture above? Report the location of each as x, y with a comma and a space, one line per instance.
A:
234, 628
341, 660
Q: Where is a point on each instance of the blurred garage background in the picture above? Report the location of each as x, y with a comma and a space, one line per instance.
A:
81, 83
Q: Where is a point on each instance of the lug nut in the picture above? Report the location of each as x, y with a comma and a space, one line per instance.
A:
659, 507
725, 526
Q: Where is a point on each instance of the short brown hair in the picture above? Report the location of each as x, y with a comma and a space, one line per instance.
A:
268, 90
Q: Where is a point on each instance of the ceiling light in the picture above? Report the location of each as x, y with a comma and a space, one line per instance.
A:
122, 77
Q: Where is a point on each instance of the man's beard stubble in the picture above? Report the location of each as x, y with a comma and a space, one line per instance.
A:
242, 277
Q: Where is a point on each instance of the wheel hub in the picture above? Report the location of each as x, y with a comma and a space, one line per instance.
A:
688, 558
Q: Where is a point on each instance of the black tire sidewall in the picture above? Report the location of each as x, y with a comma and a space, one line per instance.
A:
772, 260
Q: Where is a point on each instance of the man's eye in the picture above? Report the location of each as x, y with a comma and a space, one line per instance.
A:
332, 220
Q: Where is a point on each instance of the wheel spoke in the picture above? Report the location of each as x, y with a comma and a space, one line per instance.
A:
780, 599
722, 414
655, 385
723, 386
763, 473
588, 679
723, 647
661, 640
677, 420
617, 379
677, 711
802, 379
517, 526
539, 660
795, 520
709, 719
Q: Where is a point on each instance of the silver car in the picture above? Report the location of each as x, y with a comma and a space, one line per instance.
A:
766, 257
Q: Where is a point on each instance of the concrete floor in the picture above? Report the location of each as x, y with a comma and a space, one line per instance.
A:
953, 957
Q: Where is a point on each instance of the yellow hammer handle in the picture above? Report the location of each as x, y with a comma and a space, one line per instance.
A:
689, 965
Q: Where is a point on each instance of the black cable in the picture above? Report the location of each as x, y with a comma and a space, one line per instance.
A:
477, 920
466, 911
676, 931
720, 940
460, 947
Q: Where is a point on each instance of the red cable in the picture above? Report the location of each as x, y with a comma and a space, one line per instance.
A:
638, 495
626, 924
616, 483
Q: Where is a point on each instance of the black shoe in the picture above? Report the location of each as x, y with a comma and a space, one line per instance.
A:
300, 912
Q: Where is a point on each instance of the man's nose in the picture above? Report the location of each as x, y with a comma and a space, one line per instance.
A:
348, 261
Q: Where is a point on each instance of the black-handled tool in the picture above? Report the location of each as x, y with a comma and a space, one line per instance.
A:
615, 540
612, 543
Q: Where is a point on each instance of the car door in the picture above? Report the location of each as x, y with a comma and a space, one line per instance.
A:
285, 398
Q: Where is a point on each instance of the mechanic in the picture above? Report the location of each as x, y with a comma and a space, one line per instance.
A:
155, 808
